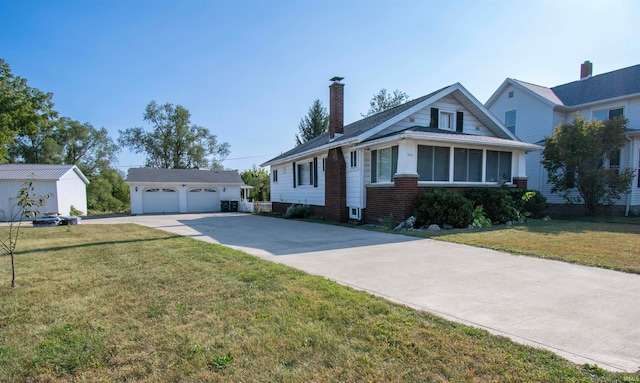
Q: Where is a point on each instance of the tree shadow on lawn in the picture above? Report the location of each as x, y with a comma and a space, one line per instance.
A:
92, 244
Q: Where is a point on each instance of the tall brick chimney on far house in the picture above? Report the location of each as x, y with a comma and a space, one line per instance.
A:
336, 107
586, 70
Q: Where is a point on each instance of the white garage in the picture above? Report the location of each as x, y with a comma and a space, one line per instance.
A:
160, 200
202, 199
156, 191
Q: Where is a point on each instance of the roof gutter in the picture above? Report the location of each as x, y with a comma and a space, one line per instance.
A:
575, 108
450, 139
327, 146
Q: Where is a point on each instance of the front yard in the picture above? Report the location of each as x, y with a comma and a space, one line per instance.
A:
128, 303
612, 243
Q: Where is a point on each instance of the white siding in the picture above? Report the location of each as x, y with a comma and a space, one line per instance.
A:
9, 191
283, 190
471, 125
72, 191
354, 181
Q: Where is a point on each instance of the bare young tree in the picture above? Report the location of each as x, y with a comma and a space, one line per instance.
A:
26, 207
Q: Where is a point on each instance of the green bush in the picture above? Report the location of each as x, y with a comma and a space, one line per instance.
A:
498, 204
441, 207
530, 201
298, 211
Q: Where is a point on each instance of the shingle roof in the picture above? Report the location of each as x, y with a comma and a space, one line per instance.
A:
356, 128
621, 82
542, 91
25, 172
184, 176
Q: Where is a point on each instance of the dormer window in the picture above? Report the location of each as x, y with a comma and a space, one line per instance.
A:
446, 120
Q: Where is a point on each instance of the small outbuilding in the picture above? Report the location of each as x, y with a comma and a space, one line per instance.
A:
66, 185
156, 191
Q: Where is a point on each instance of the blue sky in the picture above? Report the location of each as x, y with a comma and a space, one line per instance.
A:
249, 70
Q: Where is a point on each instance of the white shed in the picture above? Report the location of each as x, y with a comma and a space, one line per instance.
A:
66, 183
155, 190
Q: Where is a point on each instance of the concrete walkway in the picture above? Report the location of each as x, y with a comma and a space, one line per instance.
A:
585, 314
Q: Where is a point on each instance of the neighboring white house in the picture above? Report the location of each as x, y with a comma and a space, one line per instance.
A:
532, 111
377, 166
66, 184
184, 190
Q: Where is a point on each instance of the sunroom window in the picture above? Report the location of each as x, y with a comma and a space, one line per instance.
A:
498, 167
384, 163
433, 163
467, 165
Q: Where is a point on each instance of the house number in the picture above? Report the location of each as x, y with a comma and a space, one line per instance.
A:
409, 154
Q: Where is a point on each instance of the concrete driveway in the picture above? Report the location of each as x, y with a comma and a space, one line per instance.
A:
585, 314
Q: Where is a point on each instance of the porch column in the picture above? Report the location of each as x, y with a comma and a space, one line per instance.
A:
407, 159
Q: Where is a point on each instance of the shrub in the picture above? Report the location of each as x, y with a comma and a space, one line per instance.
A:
497, 203
530, 201
441, 207
74, 211
479, 218
298, 211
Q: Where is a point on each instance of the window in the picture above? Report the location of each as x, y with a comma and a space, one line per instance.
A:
446, 120
274, 175
510, 120
433, 163
305, 176
384, 163
607, 114
511, 94
195, 190
354, 159
498, 167
467, 165
614, 161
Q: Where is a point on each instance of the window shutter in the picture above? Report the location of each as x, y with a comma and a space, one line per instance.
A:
459, 118
294, 175
315, 172
312, 174
374, 166
434, 118
394, 161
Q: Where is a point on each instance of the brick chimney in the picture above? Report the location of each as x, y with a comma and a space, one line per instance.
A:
336, 107
586, 69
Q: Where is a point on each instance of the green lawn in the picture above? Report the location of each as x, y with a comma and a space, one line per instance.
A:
128, 303
608, 242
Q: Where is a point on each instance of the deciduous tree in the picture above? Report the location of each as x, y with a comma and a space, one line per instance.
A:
313, 124
174, 142
91, 149
383, 101
259, 179
26, 120
578, 159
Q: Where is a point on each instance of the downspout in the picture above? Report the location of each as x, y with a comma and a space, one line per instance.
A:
628, 206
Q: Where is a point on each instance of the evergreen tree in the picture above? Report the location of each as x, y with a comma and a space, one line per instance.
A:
313, 124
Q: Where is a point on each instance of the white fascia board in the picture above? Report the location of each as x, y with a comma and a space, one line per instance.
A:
575, 108
309, 152
486, 111
79, 174
372, 132
516, 84
452, 139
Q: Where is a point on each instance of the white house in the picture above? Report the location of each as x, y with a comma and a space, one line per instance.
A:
532, 111
184, 190
377, 166
66, 185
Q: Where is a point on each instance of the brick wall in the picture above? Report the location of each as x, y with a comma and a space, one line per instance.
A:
520, 182
335, 189
397, 199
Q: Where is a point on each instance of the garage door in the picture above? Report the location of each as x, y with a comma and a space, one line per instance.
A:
203, 199
160, 200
